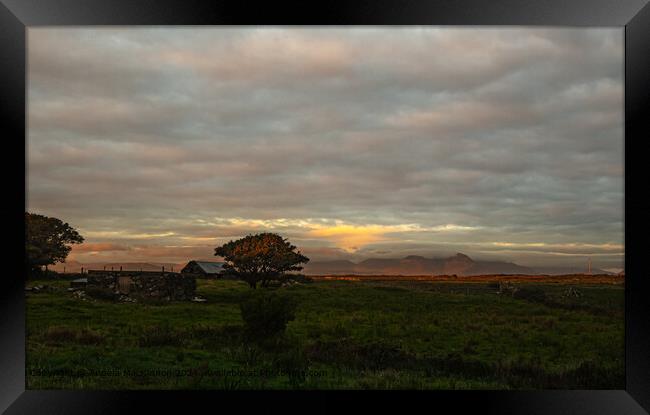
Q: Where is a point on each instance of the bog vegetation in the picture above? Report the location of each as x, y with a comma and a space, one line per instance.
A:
333, 334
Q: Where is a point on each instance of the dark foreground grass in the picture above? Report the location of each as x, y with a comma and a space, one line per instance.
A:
346, 334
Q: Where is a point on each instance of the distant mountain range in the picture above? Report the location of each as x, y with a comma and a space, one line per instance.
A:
459, 264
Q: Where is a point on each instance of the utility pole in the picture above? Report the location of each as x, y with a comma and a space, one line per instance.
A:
589, 266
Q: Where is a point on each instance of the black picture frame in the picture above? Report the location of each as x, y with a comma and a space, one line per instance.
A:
634, 15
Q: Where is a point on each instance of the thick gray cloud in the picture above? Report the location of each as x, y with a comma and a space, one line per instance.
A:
352, 141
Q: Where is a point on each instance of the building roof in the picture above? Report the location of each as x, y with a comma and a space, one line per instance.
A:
208, 267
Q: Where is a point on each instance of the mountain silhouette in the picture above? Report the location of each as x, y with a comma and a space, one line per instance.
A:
459, 264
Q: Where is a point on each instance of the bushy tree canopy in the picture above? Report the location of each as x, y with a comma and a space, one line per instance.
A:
260, 258
47, 240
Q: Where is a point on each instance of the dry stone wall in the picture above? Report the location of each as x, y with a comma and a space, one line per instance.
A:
165, 286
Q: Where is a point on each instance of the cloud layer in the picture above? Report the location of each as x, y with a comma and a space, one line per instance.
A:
501, 143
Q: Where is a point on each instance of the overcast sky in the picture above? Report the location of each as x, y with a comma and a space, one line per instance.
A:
159, 144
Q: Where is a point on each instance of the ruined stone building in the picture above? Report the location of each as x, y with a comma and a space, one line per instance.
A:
171, 286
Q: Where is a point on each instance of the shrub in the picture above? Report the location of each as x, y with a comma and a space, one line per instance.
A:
266, 315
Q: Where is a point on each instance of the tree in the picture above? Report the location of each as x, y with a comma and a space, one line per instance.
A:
264, 257
47, 240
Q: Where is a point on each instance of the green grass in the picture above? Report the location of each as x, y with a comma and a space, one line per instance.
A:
346, 334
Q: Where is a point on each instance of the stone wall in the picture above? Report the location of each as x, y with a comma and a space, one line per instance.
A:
165, 286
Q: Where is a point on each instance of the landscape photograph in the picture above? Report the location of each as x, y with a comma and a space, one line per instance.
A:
302, 208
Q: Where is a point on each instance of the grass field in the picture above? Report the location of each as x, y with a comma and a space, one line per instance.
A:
346, 334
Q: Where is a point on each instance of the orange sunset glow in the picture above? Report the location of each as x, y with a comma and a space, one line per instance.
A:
160, 144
